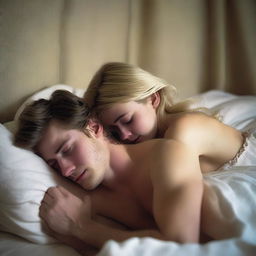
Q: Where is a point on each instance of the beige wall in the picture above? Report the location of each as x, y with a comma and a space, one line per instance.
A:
197, 45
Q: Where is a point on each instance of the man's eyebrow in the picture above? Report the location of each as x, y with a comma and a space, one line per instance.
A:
119, 118
59, 148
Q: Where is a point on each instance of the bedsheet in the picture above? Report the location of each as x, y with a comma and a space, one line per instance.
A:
154, 247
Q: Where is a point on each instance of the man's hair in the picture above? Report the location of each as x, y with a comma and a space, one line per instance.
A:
63, 106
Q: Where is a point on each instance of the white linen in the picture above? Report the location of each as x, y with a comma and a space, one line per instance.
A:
46, 93
236, 111
153, 247
11, 245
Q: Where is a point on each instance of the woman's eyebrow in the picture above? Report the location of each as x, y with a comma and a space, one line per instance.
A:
119, 118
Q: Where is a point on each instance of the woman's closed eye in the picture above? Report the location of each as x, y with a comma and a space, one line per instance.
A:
127, 120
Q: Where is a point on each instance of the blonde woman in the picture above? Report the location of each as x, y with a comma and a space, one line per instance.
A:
136, 106
119, 84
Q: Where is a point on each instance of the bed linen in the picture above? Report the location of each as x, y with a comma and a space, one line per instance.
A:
234, 196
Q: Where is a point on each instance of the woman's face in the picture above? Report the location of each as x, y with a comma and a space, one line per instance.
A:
74, 155
131, 122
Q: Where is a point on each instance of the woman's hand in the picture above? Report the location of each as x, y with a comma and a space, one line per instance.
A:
63, 212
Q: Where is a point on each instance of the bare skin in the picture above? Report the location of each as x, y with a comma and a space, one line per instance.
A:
154, 187
217, 143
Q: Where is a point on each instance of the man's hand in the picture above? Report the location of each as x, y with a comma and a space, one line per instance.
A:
63, 212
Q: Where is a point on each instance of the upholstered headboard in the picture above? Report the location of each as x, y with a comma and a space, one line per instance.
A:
196, 45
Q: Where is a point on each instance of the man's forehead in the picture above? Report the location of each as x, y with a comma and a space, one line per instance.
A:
53, 135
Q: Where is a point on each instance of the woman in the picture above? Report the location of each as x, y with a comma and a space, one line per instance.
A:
136, 106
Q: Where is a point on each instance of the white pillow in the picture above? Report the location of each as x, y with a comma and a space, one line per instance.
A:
46, 93
236, 111
24, 179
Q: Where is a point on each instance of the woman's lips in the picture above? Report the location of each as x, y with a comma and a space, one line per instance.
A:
137, 140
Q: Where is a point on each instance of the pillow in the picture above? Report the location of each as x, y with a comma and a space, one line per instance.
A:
24, 178
46, 93
236, 111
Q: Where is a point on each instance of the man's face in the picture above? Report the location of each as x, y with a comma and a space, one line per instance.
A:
76, 156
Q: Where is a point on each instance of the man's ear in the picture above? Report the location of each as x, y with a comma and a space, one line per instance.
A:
155, 99
95, 127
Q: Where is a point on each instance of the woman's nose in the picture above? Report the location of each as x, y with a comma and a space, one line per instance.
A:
66, 167
125, 134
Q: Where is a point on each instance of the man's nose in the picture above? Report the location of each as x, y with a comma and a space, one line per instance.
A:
66, 167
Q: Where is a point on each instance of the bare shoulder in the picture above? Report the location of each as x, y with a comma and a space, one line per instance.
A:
191, 127
185, 122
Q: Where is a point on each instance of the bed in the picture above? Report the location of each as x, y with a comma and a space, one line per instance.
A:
24, 178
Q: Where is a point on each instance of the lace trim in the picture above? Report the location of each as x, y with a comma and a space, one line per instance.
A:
239, 153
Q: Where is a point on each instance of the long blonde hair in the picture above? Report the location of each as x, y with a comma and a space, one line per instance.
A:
117, 82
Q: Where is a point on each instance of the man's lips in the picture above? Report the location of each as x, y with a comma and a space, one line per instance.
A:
80, 176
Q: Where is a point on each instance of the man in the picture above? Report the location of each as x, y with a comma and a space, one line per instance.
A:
154, 188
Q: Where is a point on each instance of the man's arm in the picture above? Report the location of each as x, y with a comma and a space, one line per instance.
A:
68, 215
178, 191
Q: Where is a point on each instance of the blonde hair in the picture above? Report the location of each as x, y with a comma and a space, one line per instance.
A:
117, 82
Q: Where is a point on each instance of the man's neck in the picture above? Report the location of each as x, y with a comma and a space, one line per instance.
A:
121, 166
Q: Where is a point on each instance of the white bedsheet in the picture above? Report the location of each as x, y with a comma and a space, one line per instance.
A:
154, 247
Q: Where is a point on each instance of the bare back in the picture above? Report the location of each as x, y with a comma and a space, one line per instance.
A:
216, 142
